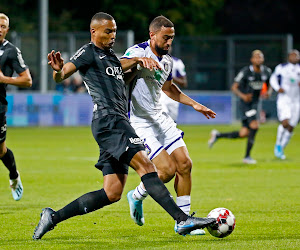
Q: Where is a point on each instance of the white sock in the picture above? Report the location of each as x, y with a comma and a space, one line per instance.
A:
280, 132
184, 203
140, 192
286, 138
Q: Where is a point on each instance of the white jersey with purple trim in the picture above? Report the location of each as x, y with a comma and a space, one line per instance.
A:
168, 104
144, 103
287, 76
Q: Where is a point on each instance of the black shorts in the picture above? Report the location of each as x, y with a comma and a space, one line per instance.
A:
248, 113
118, 143
2, 127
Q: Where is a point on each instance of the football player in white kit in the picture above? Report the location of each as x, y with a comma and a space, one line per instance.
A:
179, 77
286, 81
162, 139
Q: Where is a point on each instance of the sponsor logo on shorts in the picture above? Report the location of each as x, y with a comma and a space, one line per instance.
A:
136, 140
3, 128
251, 112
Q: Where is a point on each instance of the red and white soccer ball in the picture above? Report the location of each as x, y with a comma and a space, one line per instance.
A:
225, 223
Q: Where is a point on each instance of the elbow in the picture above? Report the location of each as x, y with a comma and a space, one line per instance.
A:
29, 83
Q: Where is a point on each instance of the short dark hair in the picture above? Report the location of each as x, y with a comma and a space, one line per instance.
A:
159, 22
102, 16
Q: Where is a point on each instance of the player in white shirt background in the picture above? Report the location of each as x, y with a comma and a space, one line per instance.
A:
179, 77
286, 82
163, 140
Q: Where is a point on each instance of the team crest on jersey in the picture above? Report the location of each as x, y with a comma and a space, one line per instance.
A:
166, 67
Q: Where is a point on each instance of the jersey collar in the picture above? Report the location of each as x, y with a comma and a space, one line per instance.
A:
252, 69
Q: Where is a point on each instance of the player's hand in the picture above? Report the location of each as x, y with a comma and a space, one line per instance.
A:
280, 90
204, 110
148, 63
55, 60
247, 97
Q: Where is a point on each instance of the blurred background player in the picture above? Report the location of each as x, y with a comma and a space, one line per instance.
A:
286, 81
179, 77
163, 140
10, 61
247, 86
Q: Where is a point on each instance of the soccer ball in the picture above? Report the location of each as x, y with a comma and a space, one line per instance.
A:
225, 223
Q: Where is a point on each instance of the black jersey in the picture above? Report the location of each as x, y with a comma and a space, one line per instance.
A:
103, 77
10, 61
252, 82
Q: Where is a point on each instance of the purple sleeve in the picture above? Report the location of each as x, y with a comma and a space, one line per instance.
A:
170, 76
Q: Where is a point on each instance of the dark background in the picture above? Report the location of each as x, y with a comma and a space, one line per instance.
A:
202, 17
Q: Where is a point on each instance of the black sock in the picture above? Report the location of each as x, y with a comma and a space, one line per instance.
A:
250, 143
233, 135
157, 190
9, 161
85, 204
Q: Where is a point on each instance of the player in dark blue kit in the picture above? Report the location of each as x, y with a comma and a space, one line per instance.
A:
10, 61
119, 146
247, 86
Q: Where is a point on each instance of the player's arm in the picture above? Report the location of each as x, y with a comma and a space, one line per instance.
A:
23, 80
129, 75
240, 79
144, 62
275, 80
61, 71
237, 92
176, 94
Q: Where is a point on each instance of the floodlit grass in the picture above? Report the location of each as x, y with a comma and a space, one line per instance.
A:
57, 166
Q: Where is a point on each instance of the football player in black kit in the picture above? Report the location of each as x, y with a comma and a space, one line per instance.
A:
10, 61
247, 86
119, 146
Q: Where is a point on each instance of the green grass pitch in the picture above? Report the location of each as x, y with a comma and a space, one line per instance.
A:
57, 166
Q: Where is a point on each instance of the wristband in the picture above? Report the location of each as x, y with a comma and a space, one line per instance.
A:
58, 72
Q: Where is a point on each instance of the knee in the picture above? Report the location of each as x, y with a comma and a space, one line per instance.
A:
114, 196
185, 166
3, 151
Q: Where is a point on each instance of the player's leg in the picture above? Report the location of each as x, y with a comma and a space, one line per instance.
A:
157, 190
288, 126
8, 159
113, 185
253, 127
284, 131
166, 169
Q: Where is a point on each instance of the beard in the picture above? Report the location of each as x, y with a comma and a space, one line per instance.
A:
161, 51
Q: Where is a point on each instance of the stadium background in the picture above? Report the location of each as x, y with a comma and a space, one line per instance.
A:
214, 38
